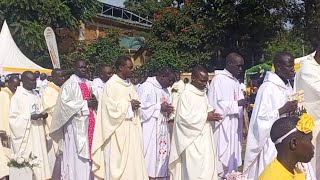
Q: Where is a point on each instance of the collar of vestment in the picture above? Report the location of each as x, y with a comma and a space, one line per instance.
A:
275, 79
77, 78
98, 81
153, 80
22, 90
310, 60
52, 85
225, 73
8, 91
192, 88
123, 82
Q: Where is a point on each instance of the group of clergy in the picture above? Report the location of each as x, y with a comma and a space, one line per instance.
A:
110, 129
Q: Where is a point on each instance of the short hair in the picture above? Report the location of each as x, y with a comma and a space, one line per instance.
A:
165, 71
282, 126
278, 57
13, 78
75, 62
25, 74
197, 69
121, 61
102, 66
55, 72
232, 56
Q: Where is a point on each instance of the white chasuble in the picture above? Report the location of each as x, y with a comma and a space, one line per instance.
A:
308, 79
69, 129
117, 151
28, 136
5, 152
192, 154
155, 127
49, 99
260, 150
223, 94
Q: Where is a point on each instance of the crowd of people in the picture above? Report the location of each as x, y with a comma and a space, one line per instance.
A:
118, 127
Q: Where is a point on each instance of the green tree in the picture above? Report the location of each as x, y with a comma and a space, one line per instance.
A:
100, 51
203, 32
27, 20
146, 7
286, 41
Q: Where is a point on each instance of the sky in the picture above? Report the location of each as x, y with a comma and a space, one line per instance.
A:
118, 3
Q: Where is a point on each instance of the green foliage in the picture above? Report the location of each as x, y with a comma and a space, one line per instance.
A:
204, 32
286, 41
259, 67
100, 51
146, 7
103, 51
28, 19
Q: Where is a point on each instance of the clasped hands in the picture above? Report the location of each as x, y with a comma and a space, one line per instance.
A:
212, 116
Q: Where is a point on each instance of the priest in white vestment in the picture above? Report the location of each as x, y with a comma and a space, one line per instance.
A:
155, 112
272, 102
308, 79
49, 99
73, 124
193, 149
42, 83
225, 95
26, 121
5, 98
105, 73
118, 144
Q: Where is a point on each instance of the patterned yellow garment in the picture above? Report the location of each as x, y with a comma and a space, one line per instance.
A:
276, 171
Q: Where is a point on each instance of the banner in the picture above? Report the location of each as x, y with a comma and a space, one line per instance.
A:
52, 46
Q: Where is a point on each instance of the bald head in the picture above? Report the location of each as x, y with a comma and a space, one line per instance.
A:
26, 75
233, 57
234, 64
29, 80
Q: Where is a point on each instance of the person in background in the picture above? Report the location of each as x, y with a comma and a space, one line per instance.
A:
186, 80
49, 99
136, 82
5, 98
242, 85
37, 75
42, 83
105, 73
